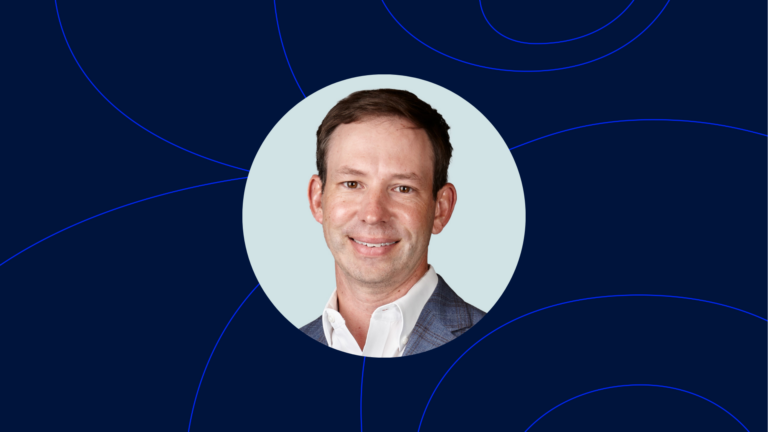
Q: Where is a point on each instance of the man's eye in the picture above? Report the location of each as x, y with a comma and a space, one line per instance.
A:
351, 184
404, 189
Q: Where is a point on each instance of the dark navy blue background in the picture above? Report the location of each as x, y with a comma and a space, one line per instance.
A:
108, 325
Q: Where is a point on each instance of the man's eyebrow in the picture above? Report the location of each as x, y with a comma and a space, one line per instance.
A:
407, 176
347, 170
350, 171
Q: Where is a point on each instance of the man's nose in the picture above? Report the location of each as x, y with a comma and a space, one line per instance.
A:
375, 207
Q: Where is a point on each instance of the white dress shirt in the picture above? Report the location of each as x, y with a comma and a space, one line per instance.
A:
390, 326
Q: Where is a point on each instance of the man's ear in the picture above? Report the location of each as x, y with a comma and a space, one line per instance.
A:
446, 201
315, 195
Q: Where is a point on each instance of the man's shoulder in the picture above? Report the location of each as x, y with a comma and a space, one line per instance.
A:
315, 330
473, 314
452, 310
444, 318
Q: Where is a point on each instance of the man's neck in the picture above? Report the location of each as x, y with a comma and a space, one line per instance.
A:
357, 303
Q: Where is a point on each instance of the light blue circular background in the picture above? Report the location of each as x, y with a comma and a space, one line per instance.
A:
476, 253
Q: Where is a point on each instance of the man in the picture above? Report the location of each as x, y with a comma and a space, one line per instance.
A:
381, 191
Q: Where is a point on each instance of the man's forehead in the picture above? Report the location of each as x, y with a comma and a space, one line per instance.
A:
378, 125
379, 130
383, 145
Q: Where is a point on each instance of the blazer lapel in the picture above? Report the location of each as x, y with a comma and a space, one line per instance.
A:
444, 313
315, 330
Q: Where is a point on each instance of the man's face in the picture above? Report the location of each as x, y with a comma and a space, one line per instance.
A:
377, 207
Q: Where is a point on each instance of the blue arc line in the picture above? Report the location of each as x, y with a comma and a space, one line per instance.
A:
118, 109
283, 45
639, 385
564, 303
556, 42
118, 208
529, 70
210, 356
361, 396
639, 120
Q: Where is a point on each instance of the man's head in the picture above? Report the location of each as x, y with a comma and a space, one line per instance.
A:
368, 104
382, 188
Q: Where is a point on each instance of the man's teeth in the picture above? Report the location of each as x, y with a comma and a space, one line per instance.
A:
373, 244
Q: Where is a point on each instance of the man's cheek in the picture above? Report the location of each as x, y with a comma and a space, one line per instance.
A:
340, 215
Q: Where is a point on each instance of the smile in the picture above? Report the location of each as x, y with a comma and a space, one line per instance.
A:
373, 245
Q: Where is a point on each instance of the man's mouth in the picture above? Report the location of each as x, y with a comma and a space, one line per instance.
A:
373, 245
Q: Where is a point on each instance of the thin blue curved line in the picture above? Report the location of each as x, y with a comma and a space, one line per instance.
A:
361, 396
556, 42
640, 385
118, 109
532, 70
639, 120
210, 356
118, 208
283, 45
564, 303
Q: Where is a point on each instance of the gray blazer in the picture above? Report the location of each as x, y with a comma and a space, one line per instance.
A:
443, 319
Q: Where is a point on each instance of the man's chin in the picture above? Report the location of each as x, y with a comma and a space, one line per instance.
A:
373, 276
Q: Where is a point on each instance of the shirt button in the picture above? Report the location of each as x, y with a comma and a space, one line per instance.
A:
404, 340
332, 319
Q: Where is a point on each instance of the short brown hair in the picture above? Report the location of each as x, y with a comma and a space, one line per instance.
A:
389, 102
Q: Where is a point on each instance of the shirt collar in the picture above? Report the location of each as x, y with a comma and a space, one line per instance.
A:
331, 311
410, 305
